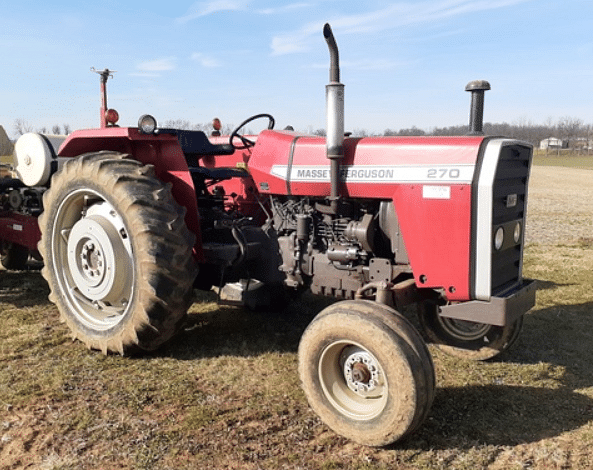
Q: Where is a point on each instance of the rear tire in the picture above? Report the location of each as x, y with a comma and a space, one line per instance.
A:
117, 253
465, 339
366, 372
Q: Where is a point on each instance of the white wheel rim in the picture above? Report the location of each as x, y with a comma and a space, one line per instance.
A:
353, 380
464, 330
93, 260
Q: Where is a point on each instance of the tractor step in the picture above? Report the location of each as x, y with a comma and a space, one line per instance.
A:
249, 293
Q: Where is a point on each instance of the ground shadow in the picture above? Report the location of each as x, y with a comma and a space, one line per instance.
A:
23, 288
499, 415
550, 285
561, 335
239, 331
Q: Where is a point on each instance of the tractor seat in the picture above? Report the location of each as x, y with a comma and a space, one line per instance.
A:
195, 144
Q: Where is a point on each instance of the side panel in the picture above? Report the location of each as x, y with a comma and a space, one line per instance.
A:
437, 235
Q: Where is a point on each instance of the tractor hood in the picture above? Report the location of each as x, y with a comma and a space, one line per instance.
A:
285, 163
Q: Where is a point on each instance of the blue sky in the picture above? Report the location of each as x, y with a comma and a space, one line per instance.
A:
404, 64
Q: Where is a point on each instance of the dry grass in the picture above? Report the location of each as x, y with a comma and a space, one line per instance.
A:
225, 394
570, 160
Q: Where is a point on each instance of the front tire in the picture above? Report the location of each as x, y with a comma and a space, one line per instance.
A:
366, 372
465, 339
117, 253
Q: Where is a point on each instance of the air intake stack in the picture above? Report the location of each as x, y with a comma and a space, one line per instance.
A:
476, 115
334, 99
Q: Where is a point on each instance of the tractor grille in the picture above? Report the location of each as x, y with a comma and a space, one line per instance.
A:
509, 202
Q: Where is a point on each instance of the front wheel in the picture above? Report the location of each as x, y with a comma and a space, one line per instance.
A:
366, 372
466, 339
117, 253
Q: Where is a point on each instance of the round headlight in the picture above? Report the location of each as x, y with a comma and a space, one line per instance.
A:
498, 238
517, 232
111, 116
147, 124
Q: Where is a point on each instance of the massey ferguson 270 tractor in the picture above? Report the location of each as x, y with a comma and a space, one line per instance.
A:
132, 219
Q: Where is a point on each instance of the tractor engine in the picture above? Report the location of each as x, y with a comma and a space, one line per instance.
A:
336, 256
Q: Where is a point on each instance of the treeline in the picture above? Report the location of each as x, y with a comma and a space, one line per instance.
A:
570, 129
205, 127
22, 127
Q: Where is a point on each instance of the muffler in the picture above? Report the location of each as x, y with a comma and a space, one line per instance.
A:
334, 100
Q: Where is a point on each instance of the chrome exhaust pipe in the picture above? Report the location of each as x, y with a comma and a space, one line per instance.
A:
334, 101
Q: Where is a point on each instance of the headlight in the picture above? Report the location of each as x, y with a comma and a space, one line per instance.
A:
517, 232
111, 117
147, 124
498, 238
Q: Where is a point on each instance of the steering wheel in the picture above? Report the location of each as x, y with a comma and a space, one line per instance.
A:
248, 142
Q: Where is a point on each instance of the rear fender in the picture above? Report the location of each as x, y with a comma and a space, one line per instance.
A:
161, 151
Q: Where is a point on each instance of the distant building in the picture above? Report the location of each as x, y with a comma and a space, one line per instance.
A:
6, 149
553, 143
6, 146
583, 143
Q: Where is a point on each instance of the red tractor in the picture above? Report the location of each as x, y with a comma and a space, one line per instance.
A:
132, 219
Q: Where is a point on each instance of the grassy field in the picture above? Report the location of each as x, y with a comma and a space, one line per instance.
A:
225, 394
583, 162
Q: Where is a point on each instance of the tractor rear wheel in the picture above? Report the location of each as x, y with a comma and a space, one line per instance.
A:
366, 372
466, 339
117, 253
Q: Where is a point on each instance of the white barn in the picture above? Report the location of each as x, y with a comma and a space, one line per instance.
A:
553, 143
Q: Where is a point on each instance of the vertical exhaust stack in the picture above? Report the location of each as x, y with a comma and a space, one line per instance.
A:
334, 99
476, 115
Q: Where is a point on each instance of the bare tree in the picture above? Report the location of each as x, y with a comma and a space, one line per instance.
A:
413, 131
22, 127
66, 128
360, 133
569, 129
177, 124
201, 127
56, 130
